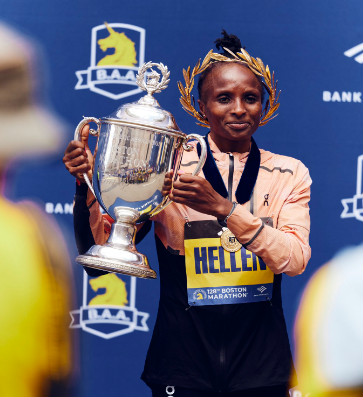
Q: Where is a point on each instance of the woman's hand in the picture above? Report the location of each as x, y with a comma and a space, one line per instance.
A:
78, 157
198, 194
168, 182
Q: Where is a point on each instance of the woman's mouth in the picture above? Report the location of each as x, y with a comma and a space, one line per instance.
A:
236, 125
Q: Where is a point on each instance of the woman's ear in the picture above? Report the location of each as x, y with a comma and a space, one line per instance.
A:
202, 108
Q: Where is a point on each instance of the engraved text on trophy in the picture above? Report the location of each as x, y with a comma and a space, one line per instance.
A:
132, 166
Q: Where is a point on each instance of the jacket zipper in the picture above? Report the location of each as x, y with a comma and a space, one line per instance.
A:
230, 176
222, 352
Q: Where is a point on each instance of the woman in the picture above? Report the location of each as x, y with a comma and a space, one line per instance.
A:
220, 326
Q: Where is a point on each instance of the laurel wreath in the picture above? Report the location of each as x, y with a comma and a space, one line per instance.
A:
161, 85
254, 64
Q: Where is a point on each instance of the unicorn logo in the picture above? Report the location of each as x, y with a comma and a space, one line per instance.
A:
117, 51
199, 294
112, 312
115, 294
125, 53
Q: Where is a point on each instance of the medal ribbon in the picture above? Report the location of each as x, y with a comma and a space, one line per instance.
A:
248, 177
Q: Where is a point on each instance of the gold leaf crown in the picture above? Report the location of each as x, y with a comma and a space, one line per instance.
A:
255, 65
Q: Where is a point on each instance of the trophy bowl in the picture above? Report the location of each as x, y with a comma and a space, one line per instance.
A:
136, 146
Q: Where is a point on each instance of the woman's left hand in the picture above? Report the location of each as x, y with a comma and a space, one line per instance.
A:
198, 194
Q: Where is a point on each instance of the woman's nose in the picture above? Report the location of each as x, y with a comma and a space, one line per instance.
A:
238, 108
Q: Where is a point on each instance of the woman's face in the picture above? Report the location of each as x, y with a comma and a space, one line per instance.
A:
231, 101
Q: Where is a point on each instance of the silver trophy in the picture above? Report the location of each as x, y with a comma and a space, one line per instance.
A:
137, 145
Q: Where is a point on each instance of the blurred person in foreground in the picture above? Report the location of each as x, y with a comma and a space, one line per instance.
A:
35, 344
329, 329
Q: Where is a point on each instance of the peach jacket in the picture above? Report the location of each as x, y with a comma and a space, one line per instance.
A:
281, 196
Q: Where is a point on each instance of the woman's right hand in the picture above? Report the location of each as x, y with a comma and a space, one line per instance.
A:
78, 158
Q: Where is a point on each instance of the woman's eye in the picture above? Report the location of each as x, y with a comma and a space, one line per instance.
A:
251, 99
223, 99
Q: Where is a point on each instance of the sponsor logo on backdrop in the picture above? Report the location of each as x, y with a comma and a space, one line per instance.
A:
353, 207
62, 208
344, 96
108, 309
117, 51
347, 96
59, 208
356, 52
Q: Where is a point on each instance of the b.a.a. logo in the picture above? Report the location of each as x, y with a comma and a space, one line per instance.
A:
108, 309
353, 207
117, 51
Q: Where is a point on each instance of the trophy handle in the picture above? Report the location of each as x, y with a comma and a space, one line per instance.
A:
203, 154
77, 137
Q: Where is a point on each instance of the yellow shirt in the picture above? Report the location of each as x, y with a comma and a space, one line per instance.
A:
34, 293
328, 329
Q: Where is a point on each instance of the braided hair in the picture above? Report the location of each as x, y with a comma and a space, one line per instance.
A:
233, 43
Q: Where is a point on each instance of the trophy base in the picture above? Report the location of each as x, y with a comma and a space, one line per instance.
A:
119, 254
117, 260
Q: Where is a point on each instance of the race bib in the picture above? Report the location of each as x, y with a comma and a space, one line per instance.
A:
219, 277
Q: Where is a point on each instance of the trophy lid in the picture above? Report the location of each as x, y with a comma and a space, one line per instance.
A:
147, 112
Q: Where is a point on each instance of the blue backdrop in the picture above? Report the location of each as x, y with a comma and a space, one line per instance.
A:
312, 47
